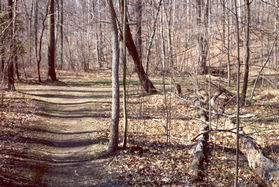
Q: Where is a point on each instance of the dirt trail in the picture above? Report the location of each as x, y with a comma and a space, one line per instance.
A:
66, 145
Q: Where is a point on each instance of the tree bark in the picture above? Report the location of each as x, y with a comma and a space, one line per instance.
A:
138, 37
2, 50
113, 139
146, 84
62, 34
237, 94
39, 53
11, 80
124, 16
246, 55
36, 38
201, 150
51, 42
229, 5
202, 47
265, 168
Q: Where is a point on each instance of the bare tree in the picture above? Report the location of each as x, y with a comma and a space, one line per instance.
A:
12, 17
113, 140
2, 47
124, 18
145, 82
202, 25
246, 51
138, 35
39, 51
61, 34
51, 42
237, 95
150, 41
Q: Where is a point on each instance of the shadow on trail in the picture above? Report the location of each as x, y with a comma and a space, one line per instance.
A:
97, 115
66, 90
68, 142
72, 103
40, 130
61, 148
69, 96
36, 163
82, 172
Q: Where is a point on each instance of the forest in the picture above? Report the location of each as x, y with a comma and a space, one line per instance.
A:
139, 93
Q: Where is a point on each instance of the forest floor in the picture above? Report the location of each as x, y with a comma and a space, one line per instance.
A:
56, 134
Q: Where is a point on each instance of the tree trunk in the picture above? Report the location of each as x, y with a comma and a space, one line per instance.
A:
36, 38
202, 23
237, 94
229, 5
124, 18
113, 139
168, 20
138, 37
146, 84
265, 168
17, 68
99, 39
61, 34
11, 80
30, 33
275, 31
246, 55
39, 53
2, 50
51, 42
151, 38
201, 150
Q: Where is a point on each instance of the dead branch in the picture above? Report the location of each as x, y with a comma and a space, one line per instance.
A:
265, 168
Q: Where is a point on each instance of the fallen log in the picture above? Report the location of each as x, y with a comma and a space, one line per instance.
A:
201, 151
264, 167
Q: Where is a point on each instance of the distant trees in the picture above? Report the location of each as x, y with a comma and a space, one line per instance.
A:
81, 38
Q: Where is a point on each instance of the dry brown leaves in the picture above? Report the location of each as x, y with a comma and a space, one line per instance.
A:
164, 163
16, 112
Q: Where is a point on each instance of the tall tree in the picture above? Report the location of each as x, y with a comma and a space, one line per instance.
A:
145, 82
202, 24
2, 48
12, 48
276, 19
138, 37
39, 48
51, 41
61, 34
246, 51
124, 6
150, 41
113, 139
237, 94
